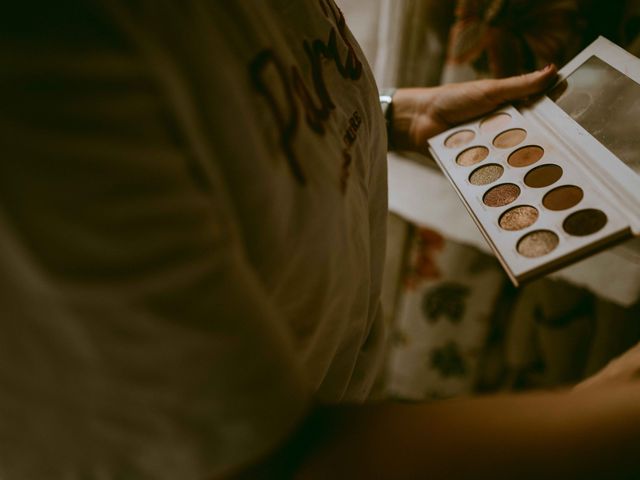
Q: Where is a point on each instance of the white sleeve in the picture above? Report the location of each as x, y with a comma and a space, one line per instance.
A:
136, 341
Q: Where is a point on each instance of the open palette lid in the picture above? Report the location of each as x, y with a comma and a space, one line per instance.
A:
596, 106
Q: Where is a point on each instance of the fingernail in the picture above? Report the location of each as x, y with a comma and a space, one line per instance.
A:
548, 67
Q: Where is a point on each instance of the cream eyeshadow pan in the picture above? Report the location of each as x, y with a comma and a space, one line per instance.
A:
536, 192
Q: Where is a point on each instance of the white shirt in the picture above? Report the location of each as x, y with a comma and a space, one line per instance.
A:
192, 224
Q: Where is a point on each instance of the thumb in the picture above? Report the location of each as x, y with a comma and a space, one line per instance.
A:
521, 86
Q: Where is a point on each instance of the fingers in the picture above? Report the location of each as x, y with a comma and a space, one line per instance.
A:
522, 86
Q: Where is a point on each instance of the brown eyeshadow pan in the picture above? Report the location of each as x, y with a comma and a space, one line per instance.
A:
543, 176
472, 155
517, 218
501, 195
538, 243
564, 197
510, 138
584, 222
525, 156
486, 174
459, 139
495, 122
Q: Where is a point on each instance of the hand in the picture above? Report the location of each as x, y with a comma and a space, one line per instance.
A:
420, 113
623, 370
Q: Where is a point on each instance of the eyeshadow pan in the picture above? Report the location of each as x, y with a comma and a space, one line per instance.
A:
543, 176
495, 123
486, 174
472, 155
584, 222
525, 156
501, 195
564, 197
459, 139
538, 243
510, 138
518, 218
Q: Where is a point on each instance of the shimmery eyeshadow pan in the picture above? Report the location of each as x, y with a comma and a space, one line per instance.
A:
486, 174
517, 218
538, 243
501, 195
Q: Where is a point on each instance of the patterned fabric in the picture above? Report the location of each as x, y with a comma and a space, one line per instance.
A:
443, 318
506, 37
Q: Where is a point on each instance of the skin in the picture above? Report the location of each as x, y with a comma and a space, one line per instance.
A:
421, 113
591, 431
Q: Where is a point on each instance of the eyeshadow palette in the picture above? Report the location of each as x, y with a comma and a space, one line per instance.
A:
559, 179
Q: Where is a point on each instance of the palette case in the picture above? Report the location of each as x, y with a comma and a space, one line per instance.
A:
558, 179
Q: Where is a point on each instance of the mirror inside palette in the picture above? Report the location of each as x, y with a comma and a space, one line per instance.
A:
558, 180
606, 103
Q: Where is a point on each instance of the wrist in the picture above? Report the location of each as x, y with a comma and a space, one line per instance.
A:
412, 122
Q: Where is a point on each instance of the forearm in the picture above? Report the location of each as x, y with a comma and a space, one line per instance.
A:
563, 435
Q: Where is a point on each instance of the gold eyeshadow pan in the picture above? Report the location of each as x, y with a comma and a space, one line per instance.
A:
486, 174
542, 187
519, 217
